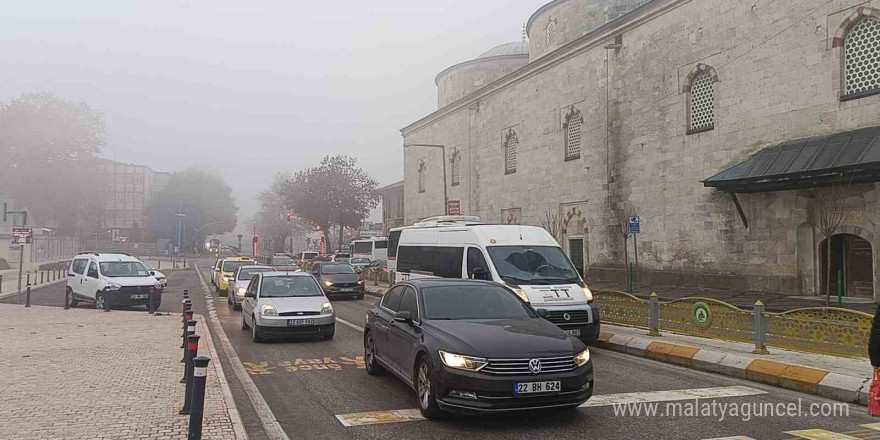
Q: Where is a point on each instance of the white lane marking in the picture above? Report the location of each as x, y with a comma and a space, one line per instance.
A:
270, 423
354, 326
736, 437
380, 417
412, 415
670, 396
820, 434
237, 424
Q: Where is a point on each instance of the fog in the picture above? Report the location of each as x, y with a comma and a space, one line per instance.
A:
246, 89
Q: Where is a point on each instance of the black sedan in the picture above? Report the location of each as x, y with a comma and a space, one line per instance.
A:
473, 346
338, 279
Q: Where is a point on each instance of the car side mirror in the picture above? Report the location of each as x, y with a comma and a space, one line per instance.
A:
153, 272
480, 274
358, 269
542, 313
248, 294
403, 317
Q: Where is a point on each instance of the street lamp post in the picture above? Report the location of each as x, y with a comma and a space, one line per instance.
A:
180, 217
199, 231
443, 150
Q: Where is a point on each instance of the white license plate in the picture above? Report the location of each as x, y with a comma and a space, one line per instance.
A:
298, 322
140, 296
574, 332
537, 387
346, 290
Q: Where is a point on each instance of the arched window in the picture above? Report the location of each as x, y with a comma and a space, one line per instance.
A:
511, 141
551, 32
456, 167
422, 168
701, 100
861, 59
572, 128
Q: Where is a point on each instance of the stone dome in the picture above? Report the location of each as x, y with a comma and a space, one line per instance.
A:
509, 49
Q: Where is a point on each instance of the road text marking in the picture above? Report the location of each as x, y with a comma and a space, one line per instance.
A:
380, 417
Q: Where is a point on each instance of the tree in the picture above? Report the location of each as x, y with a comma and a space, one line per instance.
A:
49, 148
273, 223
335, 193
550, 222
203, 198
829, 203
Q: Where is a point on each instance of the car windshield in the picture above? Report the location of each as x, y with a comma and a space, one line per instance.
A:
282, 261
473, 302
288, 287
360, 261
343, 255
335, 269
115, 269
246, 274
230, 266
533, 265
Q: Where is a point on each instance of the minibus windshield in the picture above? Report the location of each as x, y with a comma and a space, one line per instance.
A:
532, 265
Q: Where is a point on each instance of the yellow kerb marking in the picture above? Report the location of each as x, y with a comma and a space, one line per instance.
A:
820, 434
874, 426
380, 417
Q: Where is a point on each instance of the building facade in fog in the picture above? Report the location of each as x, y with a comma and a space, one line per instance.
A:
128, 193
392, 206
675, 111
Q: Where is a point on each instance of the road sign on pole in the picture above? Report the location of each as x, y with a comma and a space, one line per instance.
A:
634, 226
454, 207
22, 235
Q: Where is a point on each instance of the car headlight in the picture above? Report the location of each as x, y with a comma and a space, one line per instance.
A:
360, 281
157, 285
519, 292
328, 283
113, 286
582, 358
241, 290
462, 362
588, 294
269, 310
226, 278
326, 309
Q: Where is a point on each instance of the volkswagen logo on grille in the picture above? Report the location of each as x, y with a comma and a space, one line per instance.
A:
535, 365
566, 317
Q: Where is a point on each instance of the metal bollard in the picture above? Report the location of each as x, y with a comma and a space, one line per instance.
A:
189, 329
66, 299
151, 306
187, 315
200, 378
28, 279
760, 329
27, 297
159, 265
41, 277
192, 345
184, 262
1, 283
654, 315
106, 300
186, 293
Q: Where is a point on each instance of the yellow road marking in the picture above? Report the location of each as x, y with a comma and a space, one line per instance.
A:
874, 426
380, 417
736, 437
820, 434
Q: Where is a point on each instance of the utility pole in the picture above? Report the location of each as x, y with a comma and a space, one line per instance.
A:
180, 215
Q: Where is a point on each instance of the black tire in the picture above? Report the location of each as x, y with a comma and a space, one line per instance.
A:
244, 325
424, 390
229, 300
71, 300
373, 368
236, 306
256, 334
332, 333
216, 289
99, 300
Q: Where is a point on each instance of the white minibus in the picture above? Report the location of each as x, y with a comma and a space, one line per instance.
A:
525, 258
373, 248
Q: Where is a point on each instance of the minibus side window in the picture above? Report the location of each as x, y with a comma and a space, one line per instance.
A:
477, 268
393, 239
442, 262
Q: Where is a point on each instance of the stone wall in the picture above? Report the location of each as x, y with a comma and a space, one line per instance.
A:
461, 80
778, 78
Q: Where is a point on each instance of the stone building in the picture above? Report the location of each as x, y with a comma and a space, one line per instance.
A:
714, 121
392, 206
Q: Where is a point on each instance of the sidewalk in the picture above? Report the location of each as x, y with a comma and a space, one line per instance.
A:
87, 374
9, 281
775, 302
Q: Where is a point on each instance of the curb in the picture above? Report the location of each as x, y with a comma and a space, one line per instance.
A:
376, 293
823, 383
234, 416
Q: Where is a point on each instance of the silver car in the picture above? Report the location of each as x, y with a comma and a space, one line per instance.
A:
286, 304
239, 282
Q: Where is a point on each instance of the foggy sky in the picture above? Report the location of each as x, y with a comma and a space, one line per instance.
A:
249, 88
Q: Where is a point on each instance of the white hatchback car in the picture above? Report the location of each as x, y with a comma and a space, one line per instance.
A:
117, 279
286, 304
239, 282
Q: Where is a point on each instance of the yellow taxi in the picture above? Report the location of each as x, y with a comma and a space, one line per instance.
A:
227, 269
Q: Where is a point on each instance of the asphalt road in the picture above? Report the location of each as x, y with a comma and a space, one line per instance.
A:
308, 383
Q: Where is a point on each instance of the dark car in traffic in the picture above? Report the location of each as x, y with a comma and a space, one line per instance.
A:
338, 279
474, 346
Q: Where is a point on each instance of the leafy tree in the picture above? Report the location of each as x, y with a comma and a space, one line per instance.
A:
49, 148
335, 193
272, 222
203, 198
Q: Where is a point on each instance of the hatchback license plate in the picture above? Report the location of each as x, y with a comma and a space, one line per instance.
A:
299, 322
574, 332
537, 387
347, 290
140, 296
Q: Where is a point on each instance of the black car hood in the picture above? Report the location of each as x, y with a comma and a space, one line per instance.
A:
503, 338
341, 278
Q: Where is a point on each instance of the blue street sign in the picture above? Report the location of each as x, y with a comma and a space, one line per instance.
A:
634, 226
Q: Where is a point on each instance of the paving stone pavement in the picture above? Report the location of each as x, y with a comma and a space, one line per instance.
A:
86, 374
